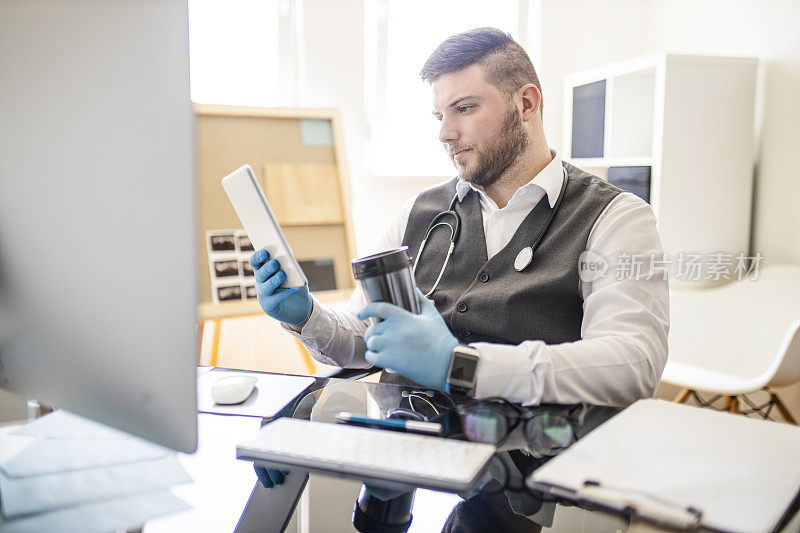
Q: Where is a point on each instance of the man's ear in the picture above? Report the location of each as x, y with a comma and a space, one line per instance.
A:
531, 101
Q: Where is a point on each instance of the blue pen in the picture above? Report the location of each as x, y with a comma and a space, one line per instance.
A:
412, 426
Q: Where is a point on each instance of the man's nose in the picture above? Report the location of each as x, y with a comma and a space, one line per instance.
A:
448, 133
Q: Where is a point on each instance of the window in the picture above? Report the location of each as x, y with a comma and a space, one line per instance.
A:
244, 52
399, 37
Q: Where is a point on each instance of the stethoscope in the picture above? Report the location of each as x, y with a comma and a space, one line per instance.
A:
524, 257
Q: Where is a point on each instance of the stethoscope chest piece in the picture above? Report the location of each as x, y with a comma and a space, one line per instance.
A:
523, 259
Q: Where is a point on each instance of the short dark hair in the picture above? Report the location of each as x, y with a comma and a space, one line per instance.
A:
505, 63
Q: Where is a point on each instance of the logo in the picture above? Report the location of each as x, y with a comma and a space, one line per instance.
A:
591, 266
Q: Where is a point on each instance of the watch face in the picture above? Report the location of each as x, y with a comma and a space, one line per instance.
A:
462, 372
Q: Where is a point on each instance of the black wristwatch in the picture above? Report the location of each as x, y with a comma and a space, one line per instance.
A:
463, 369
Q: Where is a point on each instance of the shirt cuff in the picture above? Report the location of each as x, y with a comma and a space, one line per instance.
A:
319, 333
508, 371
316, 323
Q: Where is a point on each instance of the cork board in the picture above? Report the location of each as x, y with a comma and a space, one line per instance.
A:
307, 186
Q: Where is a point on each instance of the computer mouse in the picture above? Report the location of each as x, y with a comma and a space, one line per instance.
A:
230, 390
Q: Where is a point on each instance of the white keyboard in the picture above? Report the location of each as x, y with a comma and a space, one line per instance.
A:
369, 454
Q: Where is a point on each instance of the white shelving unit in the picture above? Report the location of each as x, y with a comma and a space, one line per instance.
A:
690, 119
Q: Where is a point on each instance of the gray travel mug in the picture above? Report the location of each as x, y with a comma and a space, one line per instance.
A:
387, 277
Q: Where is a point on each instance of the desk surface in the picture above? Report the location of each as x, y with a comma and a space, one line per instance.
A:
226, 493
223, 484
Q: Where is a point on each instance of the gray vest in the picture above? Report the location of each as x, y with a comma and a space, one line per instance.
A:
487, 300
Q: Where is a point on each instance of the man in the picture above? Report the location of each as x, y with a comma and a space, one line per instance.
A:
545, 333
542, 330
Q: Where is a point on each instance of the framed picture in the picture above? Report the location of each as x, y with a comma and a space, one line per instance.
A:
250, 292
243, 243
226, 269
222, 242
229, 252
227, 293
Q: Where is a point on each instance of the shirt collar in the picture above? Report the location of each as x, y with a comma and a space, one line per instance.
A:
550, 179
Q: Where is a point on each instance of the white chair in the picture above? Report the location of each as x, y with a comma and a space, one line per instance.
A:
737, 339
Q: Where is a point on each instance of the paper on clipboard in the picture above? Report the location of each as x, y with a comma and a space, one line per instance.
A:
678, 465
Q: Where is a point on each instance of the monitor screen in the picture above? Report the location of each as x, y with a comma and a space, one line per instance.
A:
97, 214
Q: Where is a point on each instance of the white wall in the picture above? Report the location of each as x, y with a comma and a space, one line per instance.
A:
334, 53
570, 35
574, 35
334, 77
766, 29
580, 34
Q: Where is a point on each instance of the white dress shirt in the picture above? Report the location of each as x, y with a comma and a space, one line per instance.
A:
623, 345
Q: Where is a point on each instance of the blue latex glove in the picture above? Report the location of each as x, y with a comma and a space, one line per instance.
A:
268, 477
293, 305
416, 346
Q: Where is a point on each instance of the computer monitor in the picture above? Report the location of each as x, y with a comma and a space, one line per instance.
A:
97, 213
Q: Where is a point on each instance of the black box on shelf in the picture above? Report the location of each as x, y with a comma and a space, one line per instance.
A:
631, 179
320, 274
588, 119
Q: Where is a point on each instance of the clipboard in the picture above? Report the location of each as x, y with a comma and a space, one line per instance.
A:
682, 467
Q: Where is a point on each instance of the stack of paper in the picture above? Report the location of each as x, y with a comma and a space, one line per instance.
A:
63, 472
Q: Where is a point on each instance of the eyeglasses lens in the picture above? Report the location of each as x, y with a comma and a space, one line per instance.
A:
484, 425
548, 434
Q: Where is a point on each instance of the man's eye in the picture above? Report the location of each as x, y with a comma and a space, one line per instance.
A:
464, 108
438, 117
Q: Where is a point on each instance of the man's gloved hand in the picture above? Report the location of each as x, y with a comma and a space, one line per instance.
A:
268, 477
416, 346
293, 305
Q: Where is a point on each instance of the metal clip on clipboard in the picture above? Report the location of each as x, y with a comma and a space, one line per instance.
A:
643, 506
629, 503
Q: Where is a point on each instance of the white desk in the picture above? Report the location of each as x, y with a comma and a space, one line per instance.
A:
222, 484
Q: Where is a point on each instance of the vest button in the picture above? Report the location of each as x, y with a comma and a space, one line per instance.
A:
484, 277
462, 307
467, 333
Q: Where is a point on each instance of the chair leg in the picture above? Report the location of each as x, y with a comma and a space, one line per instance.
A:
733, 403
782, 408
683, 396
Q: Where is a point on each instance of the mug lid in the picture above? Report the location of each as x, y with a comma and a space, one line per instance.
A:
381, 263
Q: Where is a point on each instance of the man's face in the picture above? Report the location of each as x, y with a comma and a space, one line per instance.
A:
481, 129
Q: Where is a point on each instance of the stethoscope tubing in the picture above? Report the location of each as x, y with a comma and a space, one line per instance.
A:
454, 230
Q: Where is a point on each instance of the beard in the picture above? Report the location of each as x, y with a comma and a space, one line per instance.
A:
499, 155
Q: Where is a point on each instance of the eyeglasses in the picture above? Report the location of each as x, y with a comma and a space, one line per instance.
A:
546, 430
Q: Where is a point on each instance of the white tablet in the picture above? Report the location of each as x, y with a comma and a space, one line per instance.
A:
260, 224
